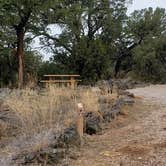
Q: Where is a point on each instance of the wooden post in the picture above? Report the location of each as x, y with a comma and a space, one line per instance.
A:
80, 121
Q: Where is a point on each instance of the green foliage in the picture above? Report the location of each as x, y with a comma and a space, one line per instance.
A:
147, 22
33, 62
7, 68
9, 63
17, 18
97, 39
148, 29
87, 41
49, 67
150, 60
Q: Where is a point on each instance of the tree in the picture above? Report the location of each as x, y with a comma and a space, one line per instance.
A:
82, 47
9, 70
19, 17
114, 34
150, 59
135, 30
148, 35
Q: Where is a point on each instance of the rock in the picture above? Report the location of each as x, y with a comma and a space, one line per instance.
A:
115, 111
126, 93
131, 95
56, 149
92, 123
127, 100
70, 137
110, 112
128, 83
8, 116
29, 157
106, 115
53, 156
105, 86
121, 85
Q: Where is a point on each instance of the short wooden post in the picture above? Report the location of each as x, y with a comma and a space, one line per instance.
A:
80, 121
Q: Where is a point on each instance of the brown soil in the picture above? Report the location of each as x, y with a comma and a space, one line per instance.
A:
137, 138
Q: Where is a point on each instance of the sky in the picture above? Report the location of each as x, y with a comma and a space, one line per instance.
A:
141, 4
136, 5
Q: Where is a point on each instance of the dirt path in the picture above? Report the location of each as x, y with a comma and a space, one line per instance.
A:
136, 139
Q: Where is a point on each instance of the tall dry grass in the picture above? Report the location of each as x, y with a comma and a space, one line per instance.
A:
40, 111
39, 116
90, 101
50, 108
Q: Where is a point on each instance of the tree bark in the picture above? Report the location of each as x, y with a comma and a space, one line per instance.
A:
20, 55
20, 32
117, 67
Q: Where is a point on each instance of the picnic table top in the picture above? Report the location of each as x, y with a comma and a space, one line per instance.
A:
61, 75
58, 81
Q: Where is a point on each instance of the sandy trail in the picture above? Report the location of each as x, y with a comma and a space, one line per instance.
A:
138, 139
154, 93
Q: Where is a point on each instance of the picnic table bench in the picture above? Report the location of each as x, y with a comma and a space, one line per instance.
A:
65, 79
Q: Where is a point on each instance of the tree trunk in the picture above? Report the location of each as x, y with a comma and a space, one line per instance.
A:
20, 55
117, 67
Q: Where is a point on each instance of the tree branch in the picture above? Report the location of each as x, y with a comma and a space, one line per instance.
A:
57, 40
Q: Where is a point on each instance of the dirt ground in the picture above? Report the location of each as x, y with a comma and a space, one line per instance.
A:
137, 138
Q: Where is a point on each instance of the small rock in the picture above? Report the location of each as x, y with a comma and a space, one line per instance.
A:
93, 122
70, 136
128, 101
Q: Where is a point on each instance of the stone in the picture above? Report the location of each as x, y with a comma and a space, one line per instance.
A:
70, 137
105, 86
126, 93
127, 100
92, 123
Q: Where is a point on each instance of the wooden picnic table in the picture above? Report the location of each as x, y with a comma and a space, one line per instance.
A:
64, 79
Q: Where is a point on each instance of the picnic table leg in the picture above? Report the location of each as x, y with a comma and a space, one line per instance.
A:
47, 85
72, 82
68, 84
76, 83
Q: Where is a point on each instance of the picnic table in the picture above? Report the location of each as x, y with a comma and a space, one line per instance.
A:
65, 79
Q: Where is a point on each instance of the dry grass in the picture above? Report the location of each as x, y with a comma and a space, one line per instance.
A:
39, 111
89, 100
40, 115
51, 108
